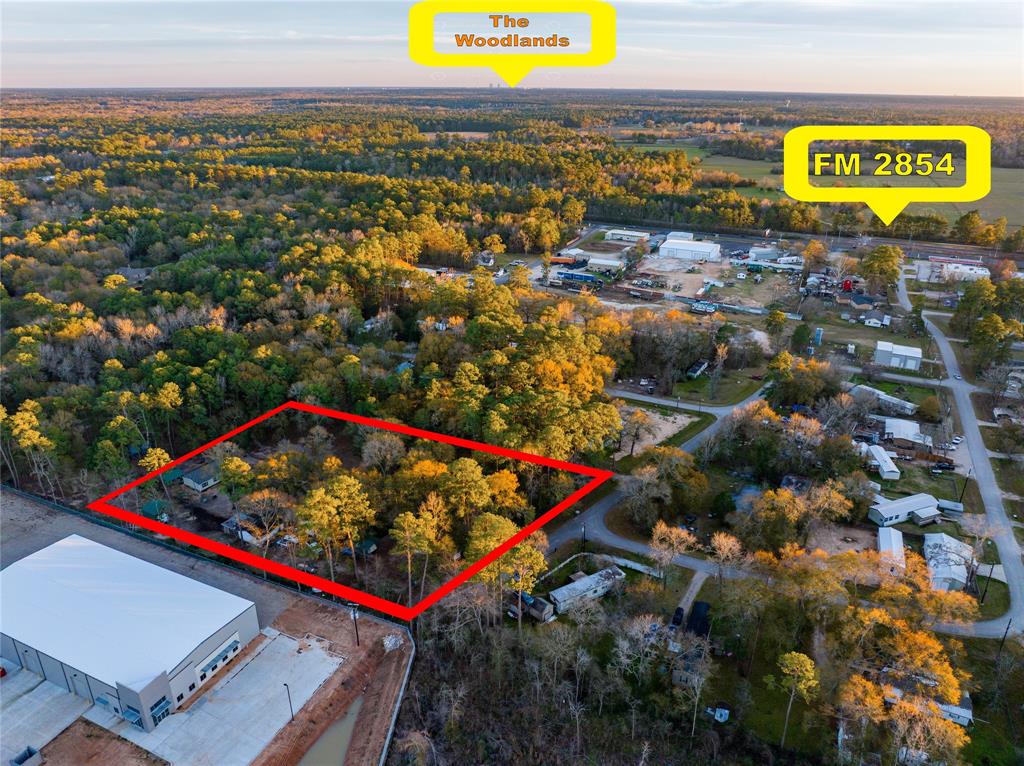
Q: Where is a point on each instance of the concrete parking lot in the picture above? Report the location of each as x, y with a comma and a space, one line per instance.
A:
33, 711
232, 722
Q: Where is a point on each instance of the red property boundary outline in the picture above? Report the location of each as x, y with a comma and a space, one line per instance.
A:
394, 609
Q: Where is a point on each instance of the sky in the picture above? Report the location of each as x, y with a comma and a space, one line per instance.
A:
928, 47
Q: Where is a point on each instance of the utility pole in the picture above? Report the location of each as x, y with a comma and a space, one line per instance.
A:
354, 612
999, 654
964, 490
991, 569
583, 545
290, 708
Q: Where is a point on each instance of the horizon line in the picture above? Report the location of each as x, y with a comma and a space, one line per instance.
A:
487, 88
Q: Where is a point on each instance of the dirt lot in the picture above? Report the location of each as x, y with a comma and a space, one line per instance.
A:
376, 675
84, 743
663, 427
674, 272
836, 539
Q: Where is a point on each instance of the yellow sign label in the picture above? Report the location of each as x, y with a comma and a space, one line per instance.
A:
509, 51
800, 163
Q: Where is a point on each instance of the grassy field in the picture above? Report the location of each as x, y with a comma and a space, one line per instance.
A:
1009, 476
916, 478
997, 598
998, 728
1004, 199
767, 709
908, 391
735, 386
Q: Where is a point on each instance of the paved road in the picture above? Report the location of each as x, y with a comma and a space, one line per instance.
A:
992, 497
719, 411
592, 520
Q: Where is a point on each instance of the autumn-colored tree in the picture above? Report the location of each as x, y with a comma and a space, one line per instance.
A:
667, 542
726, 551
337, 512
155, 459
798, 677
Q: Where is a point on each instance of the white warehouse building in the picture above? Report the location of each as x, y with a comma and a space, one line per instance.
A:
626, 235
888, 354
118, 631
688, 250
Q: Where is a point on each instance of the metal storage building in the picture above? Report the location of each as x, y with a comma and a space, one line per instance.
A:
689, 250
117, 630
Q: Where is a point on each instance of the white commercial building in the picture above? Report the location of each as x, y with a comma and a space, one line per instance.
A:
890, 549
949, 561
685, 236
889, 354
603, 263
960, 272
586, 588
625, 235
880, 459
921, 508
688, 250
133, 637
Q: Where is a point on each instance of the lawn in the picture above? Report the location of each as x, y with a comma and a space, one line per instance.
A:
839, 331
767, 709
735, 386
1009, 476
997, 598
1018, 532
998, 728
916, 478
909, 391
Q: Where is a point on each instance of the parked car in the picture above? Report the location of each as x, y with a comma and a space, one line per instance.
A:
957, 439
677, 618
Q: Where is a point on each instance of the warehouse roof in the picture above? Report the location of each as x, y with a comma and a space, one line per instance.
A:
107, 614
688, 244
895, 348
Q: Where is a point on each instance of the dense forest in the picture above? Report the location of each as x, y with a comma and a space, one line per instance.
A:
175, 264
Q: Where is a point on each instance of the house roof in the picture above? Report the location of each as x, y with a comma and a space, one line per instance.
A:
881, 457
947, 558
909, 504
890, 544
112, 616
898, 428
574, 589
201, 473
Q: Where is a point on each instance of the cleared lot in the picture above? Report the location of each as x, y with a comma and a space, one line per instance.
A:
234, 721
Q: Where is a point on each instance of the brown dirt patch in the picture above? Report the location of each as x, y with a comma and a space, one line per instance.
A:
368, 671
84, 743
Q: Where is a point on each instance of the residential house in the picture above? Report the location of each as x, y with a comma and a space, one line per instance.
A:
879, 459
921, 508
890, 549
201, 478
951, 562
